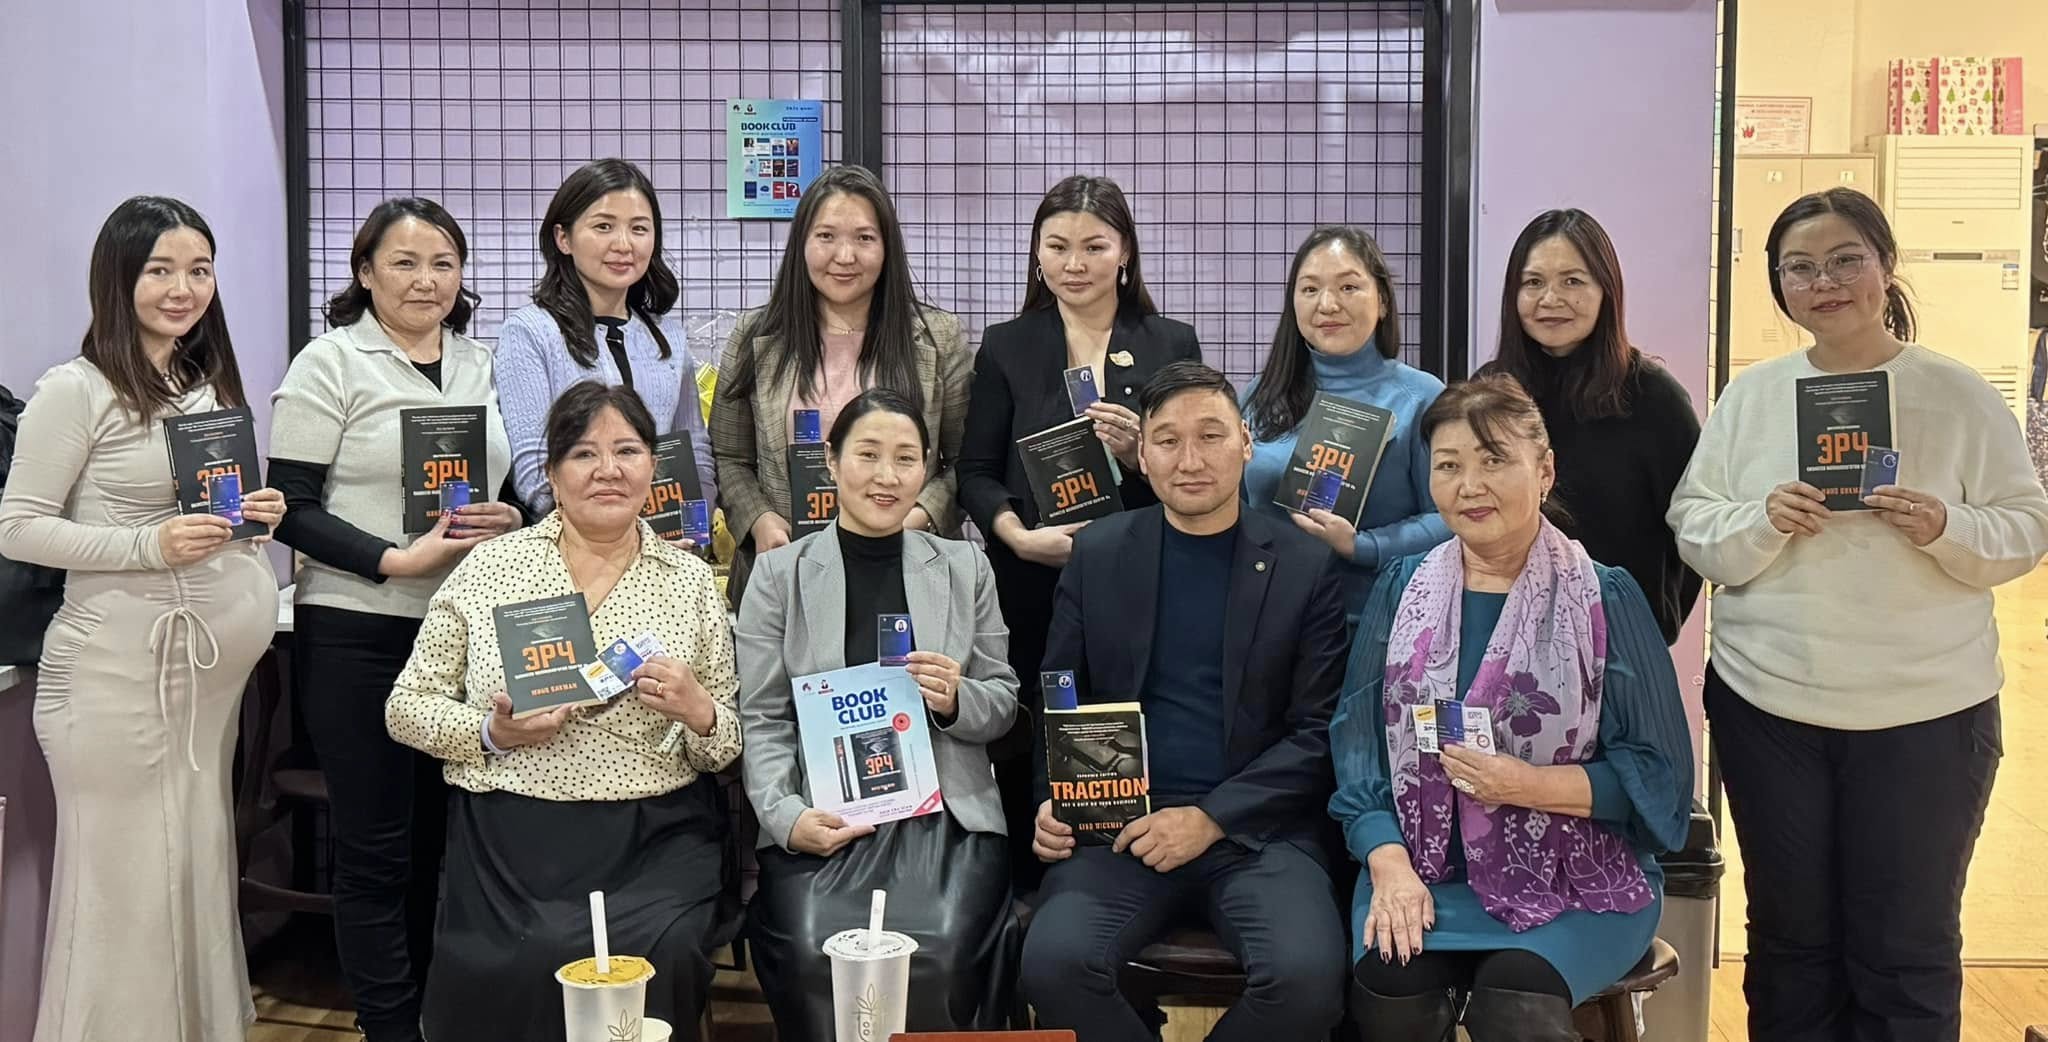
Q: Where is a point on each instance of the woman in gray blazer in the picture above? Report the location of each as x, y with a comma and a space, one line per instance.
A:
814, 608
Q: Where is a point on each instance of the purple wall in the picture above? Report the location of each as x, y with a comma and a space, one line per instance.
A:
109, 99
1607, 105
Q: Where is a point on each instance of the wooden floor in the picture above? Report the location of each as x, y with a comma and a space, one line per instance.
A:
2005, 912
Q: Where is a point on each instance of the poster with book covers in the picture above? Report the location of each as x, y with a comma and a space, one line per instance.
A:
867, 749
1072, 477
545, 646
1096, 768
214, 454
441, 446
1341, 437
1841, 416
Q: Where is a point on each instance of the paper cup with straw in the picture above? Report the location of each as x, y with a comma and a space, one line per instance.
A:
870, 978
604, 997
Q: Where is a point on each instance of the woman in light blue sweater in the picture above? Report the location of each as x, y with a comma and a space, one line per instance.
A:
597, 315
1339, 334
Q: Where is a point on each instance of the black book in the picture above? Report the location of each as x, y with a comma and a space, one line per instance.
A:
212, 445
1341, 436
1071, 475
813, 495
675, 483
1840, 416
545, 646
440, 445
1095, 763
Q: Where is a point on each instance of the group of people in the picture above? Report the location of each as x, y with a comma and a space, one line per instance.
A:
1531, 543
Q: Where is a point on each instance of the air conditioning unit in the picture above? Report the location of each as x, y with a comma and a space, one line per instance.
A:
1961, 209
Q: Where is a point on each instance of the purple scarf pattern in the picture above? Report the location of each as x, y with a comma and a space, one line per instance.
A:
1541, 681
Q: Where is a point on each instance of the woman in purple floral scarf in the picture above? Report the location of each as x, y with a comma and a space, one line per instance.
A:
1513, 866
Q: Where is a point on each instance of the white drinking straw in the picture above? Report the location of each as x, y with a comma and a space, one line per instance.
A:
597, 933
875, 905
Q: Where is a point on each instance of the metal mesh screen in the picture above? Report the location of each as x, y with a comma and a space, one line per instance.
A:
1233, 129
485, 108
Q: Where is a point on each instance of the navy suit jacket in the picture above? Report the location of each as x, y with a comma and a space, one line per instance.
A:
1283, 662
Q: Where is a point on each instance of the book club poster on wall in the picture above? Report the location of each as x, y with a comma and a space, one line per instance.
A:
772, 153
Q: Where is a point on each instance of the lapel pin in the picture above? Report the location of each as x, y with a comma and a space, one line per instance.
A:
1122, 358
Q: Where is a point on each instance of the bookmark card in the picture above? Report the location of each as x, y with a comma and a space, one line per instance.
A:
1056, 689
895, 643
1081, 391
1880, 467
1324, 486
807, 428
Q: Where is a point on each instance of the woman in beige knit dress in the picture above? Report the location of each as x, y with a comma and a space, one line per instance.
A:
143, 668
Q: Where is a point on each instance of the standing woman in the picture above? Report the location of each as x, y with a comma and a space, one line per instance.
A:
1622, 426
1085, 304
1340, 334
1853, 681
596, 315
814, 609
843, 317
395, 342
143, 667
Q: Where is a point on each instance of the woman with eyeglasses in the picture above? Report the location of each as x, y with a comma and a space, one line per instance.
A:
1854, 679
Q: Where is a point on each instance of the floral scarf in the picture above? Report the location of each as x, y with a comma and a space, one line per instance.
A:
1541, 681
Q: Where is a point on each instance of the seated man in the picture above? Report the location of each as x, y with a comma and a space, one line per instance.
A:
1228, 626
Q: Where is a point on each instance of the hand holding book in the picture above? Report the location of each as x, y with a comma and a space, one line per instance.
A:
1331, 528
1919, 516
192, 538
823, 833
1797, 508
508, 732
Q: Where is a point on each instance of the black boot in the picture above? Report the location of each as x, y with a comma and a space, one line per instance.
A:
1498, 1015
1428, 1017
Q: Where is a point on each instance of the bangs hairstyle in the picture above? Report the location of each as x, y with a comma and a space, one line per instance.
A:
561, 292
1863, 212
572, 415
1288, 382
874, 400
1100, 198
888, 351
1502, 416
1598, 388
348, 306
113, 342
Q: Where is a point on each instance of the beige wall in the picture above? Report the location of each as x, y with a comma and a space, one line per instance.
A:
1836, 51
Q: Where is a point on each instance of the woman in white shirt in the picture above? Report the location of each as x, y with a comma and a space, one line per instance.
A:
1854, 681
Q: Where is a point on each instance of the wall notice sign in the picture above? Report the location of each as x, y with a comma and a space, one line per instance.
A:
1773, 126
772, 154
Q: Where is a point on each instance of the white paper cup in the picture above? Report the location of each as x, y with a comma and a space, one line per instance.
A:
870, 983
605, 1012
652, 1030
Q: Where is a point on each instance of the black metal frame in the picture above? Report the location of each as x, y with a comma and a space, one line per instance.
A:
1450, 55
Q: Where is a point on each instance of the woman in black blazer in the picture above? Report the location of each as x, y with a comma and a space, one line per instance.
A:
1085, 304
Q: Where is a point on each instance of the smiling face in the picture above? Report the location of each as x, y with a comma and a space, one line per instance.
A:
1337, 302
1079, 256
844, 251
1490, 497
175, 287
1832, 279
602, 483
1559, 301
612, 242
1194, 452
879, 470
413, 277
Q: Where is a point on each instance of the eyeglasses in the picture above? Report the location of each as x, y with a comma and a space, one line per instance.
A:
1842, 269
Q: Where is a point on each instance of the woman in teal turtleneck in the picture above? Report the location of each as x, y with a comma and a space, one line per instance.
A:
1339, 333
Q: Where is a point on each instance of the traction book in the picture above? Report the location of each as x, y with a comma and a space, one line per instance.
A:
207, 446
1096, 768
440, 447
1339, 443
1840, 416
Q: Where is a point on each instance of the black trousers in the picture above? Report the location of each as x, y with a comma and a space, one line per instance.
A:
1506, 969
387, 806
1855, 846
1274, 908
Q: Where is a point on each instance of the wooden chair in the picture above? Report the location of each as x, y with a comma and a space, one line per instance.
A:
1616, 1014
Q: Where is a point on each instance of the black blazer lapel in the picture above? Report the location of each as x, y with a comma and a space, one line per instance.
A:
1251, 570
1121, 380
1135, 574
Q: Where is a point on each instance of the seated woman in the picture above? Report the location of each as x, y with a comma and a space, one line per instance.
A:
1521, 870
551, 806
812, 609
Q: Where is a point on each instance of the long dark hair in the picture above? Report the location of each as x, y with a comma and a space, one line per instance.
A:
1860, 210
347, 307
561, 291
888, 353
113, 342
1288, 382
1101, 198
1597, 385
